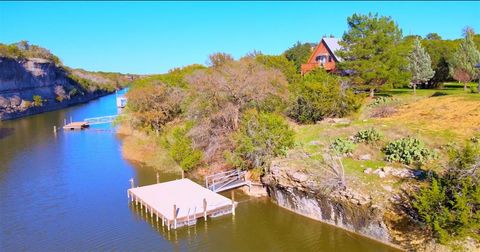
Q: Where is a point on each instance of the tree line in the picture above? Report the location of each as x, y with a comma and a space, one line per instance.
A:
378, 56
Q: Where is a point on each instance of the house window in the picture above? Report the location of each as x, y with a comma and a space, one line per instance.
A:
329, 58
321, 59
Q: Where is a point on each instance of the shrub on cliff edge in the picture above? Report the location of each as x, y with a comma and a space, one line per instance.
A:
261, 136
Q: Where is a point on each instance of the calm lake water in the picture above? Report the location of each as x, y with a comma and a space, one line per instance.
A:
67, 192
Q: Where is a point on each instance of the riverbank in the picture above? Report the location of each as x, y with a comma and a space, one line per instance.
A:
147, 150
15, 114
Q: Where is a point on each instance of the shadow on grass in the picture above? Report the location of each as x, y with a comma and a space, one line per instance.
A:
438, 93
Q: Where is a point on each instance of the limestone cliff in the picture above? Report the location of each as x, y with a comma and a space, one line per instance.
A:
54, 86
304, 193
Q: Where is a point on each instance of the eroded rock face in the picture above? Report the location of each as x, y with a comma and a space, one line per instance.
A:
22, 79
342, 207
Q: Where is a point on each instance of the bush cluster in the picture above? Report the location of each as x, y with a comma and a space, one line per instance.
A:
261, 136
319, 95
450, 204
407, 150
181, 150
369, 136
343, 146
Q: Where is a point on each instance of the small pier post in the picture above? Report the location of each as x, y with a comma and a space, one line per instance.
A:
132, 183
183, 174
175, 216
55, 129
158, 178
233, 203
64, 121
204, 209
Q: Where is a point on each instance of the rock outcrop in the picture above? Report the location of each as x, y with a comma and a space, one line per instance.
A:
53, 86
345, 208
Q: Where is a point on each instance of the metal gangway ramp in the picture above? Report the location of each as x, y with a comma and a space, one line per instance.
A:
100, 120
224, 181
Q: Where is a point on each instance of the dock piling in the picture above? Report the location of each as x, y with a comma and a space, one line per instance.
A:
54, 129
233, 203
204, 209
158, 178
175, 216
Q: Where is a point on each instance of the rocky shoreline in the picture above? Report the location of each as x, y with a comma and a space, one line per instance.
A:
342, 208
16, 111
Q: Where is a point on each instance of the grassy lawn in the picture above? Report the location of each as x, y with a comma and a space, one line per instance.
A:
449, 88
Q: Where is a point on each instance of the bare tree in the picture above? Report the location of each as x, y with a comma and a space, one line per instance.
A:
222, 92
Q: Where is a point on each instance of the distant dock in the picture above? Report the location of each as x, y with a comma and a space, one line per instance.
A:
76, 126
180, 202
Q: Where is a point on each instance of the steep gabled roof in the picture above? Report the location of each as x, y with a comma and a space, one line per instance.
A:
333, 46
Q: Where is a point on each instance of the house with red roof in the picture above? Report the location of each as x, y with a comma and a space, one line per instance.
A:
323, 56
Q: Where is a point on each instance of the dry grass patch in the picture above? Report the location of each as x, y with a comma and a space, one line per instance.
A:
449, 116
138, 147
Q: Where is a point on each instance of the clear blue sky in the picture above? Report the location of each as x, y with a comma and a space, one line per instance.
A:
152, 37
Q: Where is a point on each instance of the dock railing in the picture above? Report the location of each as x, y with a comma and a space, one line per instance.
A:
101, 119
226, 180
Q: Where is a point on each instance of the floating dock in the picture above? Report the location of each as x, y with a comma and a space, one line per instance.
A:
180, 202
76, 126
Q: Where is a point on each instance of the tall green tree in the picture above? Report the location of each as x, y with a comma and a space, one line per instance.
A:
299, 54
440, 52
419, 65
374, 52
463, 61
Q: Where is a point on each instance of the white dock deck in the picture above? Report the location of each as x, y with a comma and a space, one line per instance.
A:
180, 202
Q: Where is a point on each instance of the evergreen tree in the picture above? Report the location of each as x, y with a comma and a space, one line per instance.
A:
462, 64
420, 65
299, 53
374, 52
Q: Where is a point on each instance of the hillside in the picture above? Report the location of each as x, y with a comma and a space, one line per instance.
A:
373, 199
32, 80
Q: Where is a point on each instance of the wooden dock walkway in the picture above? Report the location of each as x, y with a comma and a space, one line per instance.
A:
180, 202
76, 126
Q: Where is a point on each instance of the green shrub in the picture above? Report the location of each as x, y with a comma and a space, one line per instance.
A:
343, 146
450, 204
319, 95
181, 150
37, 101
261, 137
73, 92
370, 135
407, 150
382, 100
473, 89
